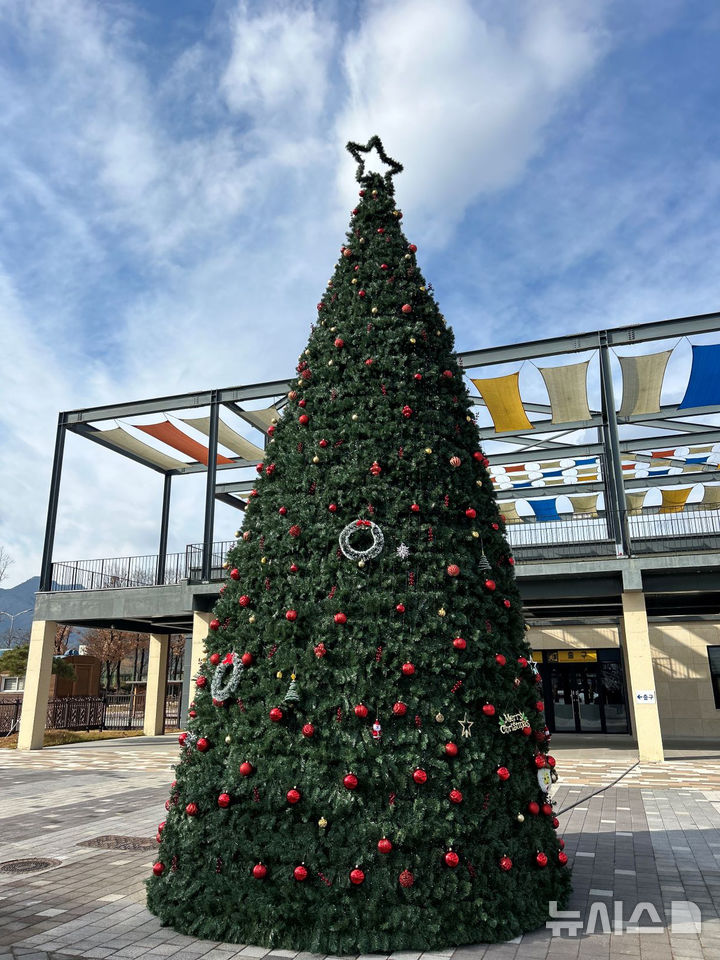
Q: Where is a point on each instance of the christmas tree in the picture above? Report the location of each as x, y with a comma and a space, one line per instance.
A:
366, 767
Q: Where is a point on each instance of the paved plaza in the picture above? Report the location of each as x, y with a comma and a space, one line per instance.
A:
652, 838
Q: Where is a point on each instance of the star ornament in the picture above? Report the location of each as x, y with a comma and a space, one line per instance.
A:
403, 551
374, 143
465, 725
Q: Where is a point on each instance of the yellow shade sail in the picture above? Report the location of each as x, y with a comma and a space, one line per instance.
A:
260, 419
674, 499
228, 438
508, 510
586, 505
502, 398
642, 383
123, 440
567, 389
635, 502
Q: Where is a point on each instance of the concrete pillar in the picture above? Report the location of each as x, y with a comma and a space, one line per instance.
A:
185, 690
635, 639
201, 621
154, 716
37, 685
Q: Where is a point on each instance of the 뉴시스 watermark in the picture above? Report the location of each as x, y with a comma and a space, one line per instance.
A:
643, 918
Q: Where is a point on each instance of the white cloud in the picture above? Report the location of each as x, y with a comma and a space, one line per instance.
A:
461, 95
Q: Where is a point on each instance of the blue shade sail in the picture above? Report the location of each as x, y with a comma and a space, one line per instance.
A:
545, 509
703, 389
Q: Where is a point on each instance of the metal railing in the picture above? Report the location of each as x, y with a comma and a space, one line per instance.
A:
117, 572
115, 711
194, 558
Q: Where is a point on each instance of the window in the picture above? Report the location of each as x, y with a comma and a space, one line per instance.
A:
17, 683
714, 658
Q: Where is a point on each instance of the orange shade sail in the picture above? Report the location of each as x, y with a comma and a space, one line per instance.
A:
168, 433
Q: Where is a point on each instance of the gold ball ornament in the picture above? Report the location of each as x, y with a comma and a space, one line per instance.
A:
226, 565
228, 739
475, 534
322, 823
354, 280
251, 618
439, 717
263, 559
413, 340
520, 818
441, 612
316, 459
407, 256
279, 674
330, 363
354, 416
300, 383
428, 450
307, 353
362, 240
333, 329
361, 563
422, 289
373, 310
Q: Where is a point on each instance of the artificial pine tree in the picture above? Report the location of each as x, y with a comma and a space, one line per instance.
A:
367, 762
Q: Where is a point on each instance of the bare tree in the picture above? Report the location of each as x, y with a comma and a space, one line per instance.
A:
111, 647
5, 561
62, 636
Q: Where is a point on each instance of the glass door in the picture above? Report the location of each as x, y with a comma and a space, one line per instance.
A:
587, 698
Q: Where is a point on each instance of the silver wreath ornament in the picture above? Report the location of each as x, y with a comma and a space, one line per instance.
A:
221, 690
375, 548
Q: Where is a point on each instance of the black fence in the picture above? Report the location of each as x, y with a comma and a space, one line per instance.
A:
121, 711
118, 572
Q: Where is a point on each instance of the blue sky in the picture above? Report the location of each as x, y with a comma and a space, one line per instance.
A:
174, 190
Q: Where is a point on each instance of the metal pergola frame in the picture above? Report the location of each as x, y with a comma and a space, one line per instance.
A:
670, 422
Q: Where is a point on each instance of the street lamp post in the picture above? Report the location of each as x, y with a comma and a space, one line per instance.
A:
12, 617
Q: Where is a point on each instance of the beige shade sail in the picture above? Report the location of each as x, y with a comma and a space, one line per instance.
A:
642, 383
567, 389
260, 419
502, 398
508, 510
228, 438
635, 502
586, 505
711, 498
673, 499
123, 440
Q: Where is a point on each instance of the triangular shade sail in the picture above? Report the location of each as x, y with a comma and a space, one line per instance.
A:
502, 398
228, 438
674, 499
170, 434
260, 419
120, 438
567, 389
642, 383
703, 389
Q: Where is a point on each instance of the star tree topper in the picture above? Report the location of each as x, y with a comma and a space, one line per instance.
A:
357, 149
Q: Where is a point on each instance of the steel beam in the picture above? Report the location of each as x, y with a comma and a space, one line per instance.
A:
164, 524
613, 459
540, 427
209, 526
51, 520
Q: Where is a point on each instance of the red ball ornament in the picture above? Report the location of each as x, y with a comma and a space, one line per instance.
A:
246, 768
357, 876
533, 808
294, 568
451, 859
161, 825
201, 682
489, 710
406, 879
541, 859
490, 585
332, 508
453, 570
293, 796
412, 248
234, 574
451, 749
202, 744
224, 800
259, 871
459, 643
350, 781
347, 252
192, 713
294, 530
419, 776
303, 419
561, 843
539, 761
415, 508
522, 661
214, 659
361, 711
384, 845
340, 618
300, 873
291, 615
308, 730
339, 343
323, 443
247, 659
471, 513
399, 708
506, 603
214, 624
500, 659
562, 858
400, 607
302, 403
455, 796
418, 377
158, 869
503, 773
505, 863
244, 600
547, 809
540, 706
406, 308
408, 669
276, 714
191, 809
381, 230
383, 266
555, 822
182, 738
282, 511
361, 293
551, 761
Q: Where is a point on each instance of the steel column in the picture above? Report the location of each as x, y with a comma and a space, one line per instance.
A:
613, 443
46, 566
210, 488
164, 521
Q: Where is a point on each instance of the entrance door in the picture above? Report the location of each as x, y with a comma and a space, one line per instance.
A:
585, 700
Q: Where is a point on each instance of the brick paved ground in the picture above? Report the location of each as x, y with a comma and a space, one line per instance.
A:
654, 837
